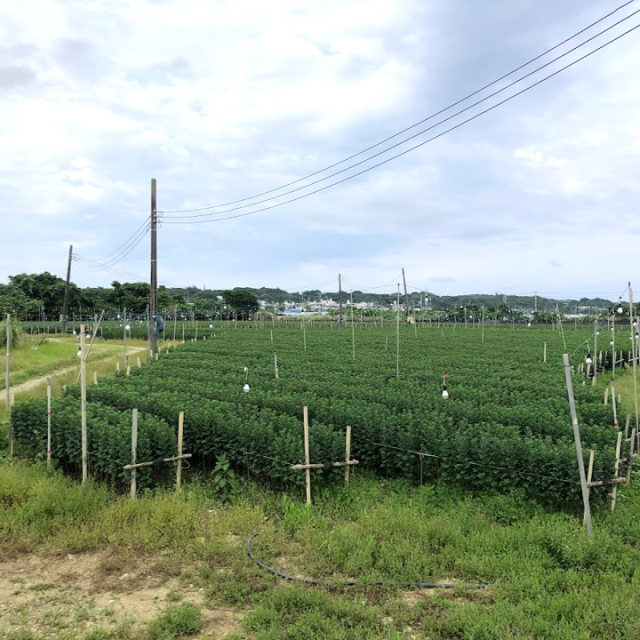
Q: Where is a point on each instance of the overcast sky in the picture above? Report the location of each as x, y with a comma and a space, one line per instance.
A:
221, 100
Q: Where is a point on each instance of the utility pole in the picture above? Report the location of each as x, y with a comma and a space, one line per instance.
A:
406, 295
65, 308
340, 300
153, 299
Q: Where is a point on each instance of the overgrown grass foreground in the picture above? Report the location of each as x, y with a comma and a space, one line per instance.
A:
546, 578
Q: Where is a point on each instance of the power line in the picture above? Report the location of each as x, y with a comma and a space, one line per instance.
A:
131, 244
395, 135
181, 220
135, 233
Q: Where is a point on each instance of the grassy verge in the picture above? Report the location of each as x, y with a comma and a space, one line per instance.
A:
102, 362
546, 578
39, 356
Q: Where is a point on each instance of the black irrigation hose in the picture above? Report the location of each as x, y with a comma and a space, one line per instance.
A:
354, 583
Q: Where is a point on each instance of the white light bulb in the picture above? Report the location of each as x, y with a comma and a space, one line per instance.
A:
528, 324
246, 387
79, 353
588, 360
445, 393
210, 326
635, 324
620, 309
128, 327
611, 343
597, 333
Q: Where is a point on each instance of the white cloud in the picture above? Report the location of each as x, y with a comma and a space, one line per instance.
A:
219, 100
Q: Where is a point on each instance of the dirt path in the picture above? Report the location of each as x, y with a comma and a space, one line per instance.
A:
35, 382
80, 593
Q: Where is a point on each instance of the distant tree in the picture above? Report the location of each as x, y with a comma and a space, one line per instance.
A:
241, 301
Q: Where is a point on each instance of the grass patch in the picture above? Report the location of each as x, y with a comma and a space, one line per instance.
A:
177, 622
546, 577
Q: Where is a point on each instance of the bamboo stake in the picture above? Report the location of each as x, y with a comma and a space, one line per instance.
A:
8, 385
180, 435
306, 452
83, 408
275, 364
346, 462
134, 448
592, 455
631, 450
617, 468
48, 422
576, 435
544, 353
633, 337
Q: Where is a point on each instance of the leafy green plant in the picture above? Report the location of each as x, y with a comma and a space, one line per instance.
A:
223, 479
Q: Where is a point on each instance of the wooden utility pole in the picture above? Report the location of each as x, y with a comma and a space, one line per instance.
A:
339, 299
153, 298
576, 436
406, 295
65, 308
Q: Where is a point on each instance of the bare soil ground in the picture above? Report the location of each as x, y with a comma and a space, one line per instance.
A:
71, 595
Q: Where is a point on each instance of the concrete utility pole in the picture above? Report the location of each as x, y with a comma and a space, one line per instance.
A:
65, 308
406, 295
153, 298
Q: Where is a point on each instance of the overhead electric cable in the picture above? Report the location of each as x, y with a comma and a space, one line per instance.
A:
97, 266
430, 117
182, 220
134, 234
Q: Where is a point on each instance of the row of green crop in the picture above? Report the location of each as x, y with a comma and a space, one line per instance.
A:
108, 435
505, 425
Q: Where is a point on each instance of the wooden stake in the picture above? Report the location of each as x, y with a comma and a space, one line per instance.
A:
117, 367
134, 447
48, 422
633, 337
83, 407
631, 451
617, 468
8, 385
592, 455
95, 377
576, 435
626, 426
306, 452
180, 433
275, 364
606, 396
353, 331
347, 459
139, 363
398, 335
544, 353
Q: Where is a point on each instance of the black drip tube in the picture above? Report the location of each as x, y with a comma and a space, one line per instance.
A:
353, 583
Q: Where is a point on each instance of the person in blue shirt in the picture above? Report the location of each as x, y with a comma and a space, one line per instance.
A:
158, 325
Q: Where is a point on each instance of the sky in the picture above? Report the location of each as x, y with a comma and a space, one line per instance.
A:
220, 100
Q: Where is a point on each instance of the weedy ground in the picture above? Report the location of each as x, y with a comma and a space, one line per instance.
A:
86, 563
